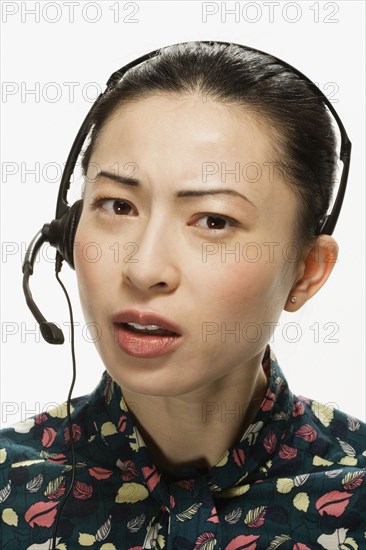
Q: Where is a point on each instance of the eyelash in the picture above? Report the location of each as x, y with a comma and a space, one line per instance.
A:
97, 203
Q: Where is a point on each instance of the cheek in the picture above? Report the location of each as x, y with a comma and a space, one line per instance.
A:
94, 271
240, 290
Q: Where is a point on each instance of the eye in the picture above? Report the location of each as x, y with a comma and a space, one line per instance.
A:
111, 206
217, 222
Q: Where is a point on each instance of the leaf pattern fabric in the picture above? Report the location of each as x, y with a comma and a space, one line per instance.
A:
294, 480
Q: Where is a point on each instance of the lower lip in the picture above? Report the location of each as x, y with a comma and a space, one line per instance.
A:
144, 345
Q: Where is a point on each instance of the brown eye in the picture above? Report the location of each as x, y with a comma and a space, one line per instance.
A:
120, 207
110, 206
220, 223
214, 222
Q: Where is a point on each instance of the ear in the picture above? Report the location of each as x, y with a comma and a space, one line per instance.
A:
313, 271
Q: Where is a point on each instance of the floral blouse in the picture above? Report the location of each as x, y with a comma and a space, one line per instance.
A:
294, 480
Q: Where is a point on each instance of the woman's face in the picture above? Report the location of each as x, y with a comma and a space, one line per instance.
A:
217, 265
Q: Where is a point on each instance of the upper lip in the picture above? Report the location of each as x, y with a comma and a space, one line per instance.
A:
145, 318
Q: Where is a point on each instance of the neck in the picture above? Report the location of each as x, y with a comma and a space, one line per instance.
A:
195, 429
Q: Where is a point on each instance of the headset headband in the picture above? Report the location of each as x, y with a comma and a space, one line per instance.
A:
60, 233
327, 223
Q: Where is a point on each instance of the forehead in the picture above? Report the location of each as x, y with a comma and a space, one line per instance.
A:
177, 140
194, 123
181, 142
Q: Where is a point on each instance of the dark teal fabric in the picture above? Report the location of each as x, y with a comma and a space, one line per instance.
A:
294, 480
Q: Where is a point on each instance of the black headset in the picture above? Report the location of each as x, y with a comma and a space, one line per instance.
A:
60, 232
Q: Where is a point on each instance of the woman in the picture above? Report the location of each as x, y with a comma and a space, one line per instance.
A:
192, 439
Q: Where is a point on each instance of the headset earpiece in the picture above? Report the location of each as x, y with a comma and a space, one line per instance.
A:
61, 232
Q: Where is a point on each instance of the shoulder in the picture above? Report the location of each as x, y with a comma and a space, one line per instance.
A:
35, 464
316, 471
331, 435
317, 434
322, 455
40, 444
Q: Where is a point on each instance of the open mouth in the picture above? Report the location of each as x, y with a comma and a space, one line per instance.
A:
146, 341
152, 330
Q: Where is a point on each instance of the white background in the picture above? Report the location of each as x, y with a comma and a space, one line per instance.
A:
38, 129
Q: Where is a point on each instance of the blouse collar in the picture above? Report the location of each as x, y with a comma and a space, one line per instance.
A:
111, 427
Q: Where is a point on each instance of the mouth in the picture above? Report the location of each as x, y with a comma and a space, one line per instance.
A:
145, 334
151, 330
145, 322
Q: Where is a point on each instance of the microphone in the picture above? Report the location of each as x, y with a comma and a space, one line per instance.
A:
60, 233
50, 331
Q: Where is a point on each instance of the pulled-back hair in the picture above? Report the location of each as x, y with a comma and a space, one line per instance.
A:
296, 120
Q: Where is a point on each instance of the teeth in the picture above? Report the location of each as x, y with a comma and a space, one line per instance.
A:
149, 327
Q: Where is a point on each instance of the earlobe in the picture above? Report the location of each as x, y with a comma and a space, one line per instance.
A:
315, 270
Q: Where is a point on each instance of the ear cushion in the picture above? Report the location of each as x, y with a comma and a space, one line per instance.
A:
68, 232
60, 233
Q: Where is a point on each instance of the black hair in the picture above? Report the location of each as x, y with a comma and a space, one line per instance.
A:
296, 119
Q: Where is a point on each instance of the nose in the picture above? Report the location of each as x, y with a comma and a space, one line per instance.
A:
152, 260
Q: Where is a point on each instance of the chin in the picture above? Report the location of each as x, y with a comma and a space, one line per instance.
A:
145, 381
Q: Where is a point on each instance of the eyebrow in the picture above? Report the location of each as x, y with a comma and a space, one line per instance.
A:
128, 180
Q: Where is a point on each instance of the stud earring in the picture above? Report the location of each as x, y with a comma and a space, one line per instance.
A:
293, 299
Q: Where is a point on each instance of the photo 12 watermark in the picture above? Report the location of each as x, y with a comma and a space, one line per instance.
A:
266, 251
71, 12
25, 415
271, 171
51, 172
252, 332
25, 332
49, 92
91, 252
270, 12
225, 411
